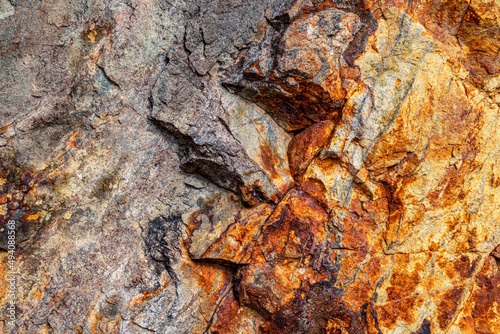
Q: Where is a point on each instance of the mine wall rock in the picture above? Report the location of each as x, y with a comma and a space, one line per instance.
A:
250, 166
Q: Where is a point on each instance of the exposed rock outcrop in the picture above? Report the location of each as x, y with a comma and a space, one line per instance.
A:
242, 166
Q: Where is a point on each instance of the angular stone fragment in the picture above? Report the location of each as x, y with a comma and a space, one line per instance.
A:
295, 229
227, 237
263, 140
229, 143
306, 84
269, 287
304, 146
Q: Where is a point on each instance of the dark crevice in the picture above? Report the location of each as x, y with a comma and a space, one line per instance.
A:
114, 83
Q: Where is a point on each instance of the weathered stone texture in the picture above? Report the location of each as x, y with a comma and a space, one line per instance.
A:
240, 166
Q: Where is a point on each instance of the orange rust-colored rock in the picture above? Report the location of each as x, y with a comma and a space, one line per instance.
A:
384, 215
304, 146
480, 315
295, 230
309, 78
237, 240
467, 29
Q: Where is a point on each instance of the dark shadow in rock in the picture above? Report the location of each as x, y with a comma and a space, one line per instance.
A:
162, 242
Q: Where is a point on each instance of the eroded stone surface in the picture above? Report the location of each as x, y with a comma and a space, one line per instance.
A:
300, 74
251, 166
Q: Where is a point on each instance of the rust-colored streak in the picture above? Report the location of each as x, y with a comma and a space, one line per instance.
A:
74, 140
484, 299
309, 79
254, 72
304, 146
465, 28
317, 190
269, 160
149, 294
448, 306
312, 263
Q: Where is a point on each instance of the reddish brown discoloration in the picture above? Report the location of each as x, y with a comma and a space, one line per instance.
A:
448, 306
19, 200
74, 140
317, 190
148, 294
313, 68
467, 29
254, 72
295, 229
485, 298
232, 317
291, 238
253, 194
261, 287
236, 244
316, 309
197, 219
304, 146
496, 252
371, 255
296, 110
269, 160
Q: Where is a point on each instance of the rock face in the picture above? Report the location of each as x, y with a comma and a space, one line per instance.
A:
241, 166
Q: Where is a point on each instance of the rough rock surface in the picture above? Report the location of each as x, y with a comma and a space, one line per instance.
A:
242, 166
